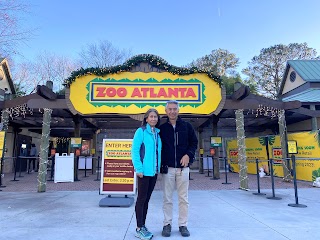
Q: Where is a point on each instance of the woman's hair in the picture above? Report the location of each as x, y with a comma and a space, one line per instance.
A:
146, 115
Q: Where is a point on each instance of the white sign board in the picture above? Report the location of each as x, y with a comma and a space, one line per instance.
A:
207, 161
85, 162
64, 168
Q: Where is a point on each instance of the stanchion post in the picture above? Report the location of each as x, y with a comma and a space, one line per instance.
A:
201, 164
85, 166
20, 167
226, 171
213, 177
258, 179
15, 170
296, 204
97, 169
273, 197
208, 165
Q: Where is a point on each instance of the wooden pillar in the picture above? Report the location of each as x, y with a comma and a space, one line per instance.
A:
44, 147
77, 132
215, 121
284, 147
200, 131
5, 123
314, 123
242, 159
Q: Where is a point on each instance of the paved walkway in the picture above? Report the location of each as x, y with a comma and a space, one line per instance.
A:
217, 211
219, 215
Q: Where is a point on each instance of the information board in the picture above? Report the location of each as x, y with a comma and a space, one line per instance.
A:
117, 172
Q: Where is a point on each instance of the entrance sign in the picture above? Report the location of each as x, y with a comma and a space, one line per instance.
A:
117, 172
136, 92
216, 141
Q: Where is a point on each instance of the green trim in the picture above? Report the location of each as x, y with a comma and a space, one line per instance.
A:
153, 60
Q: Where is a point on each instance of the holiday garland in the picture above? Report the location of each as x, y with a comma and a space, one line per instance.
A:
153, 60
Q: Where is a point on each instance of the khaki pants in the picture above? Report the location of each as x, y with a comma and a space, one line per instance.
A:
180, 179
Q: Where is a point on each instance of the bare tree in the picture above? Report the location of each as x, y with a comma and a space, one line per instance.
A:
267, 69
46, 67
102, 54
12, 31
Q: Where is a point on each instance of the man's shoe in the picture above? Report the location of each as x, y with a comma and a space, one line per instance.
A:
184, 231
166, 231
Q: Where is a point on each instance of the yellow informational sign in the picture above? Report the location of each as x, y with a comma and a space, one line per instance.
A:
117, 172
2, 135
308, 146
136, 92
201, 151
216, 141
76, 142
292, 147
255, 149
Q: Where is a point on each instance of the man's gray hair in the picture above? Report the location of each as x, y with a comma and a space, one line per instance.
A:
172, 102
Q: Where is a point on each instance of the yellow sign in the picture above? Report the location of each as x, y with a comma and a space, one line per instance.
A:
117, 173
76, 142
136, 92
201, 151
2, 134
292, 147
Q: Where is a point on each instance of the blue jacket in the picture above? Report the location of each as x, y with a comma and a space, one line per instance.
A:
177, 142
148, 165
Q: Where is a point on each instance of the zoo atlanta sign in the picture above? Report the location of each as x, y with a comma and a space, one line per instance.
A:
136, 92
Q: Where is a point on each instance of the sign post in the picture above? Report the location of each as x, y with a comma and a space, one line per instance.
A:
117, 173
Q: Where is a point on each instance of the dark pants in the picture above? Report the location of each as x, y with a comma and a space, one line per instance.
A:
145, 189
33, 160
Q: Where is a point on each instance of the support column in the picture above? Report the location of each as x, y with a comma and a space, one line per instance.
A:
284, 147
77, 132
242, 159
200, 131
44, 147
216, 173
314, 123
5, 123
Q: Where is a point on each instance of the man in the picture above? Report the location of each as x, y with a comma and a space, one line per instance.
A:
179, 143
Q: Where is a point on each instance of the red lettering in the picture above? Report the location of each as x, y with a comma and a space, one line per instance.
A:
122, 92
162, 93
190, 93
111, 92
100, 91
173, 92
136, 93
182, 91
144, 92
152, 94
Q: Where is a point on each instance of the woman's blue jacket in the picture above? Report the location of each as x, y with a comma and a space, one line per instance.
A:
144, 160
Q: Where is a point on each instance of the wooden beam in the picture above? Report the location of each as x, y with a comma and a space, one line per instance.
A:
44, 103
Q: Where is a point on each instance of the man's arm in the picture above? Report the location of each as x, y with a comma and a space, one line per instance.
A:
192, 142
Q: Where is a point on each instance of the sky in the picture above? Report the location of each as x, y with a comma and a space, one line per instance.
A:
179, 31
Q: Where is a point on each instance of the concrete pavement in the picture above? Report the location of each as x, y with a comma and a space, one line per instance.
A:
214, 214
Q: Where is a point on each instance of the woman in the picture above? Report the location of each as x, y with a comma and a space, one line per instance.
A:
146, 159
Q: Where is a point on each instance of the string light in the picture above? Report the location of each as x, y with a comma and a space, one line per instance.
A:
20, 110
153, 60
